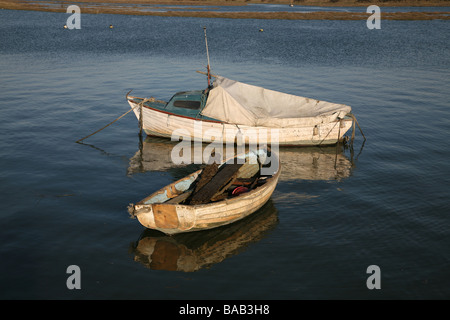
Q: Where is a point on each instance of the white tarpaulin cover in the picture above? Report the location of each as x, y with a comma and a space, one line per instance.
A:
239, 103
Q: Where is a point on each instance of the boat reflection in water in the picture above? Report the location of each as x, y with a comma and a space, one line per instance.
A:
193, 251
299, 163
188, 252
314, 163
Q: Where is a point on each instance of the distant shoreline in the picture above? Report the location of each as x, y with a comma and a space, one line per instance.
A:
194, 9
321, 3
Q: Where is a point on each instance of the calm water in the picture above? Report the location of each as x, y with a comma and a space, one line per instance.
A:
333, 214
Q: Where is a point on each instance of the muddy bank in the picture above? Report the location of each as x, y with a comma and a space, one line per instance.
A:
327, 3
141, 7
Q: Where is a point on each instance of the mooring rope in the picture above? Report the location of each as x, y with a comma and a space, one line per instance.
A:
356, 121
140, 104
141, 118
337, 122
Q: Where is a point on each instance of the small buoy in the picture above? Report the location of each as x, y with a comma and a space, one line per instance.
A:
111, 26
261, 30
65, 26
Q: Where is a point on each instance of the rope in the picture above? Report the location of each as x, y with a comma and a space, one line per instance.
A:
337, 122
139, 104
353, 129
337, 145
356, 121
141, 118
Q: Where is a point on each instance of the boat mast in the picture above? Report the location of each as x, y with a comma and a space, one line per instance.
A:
208, 69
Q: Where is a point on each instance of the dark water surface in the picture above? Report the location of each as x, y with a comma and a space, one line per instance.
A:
333, 214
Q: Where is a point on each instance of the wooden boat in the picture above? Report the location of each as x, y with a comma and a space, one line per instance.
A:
214, 196
229, 110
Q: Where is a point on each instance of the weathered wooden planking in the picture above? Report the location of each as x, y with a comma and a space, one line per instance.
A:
165, 216
207, 174
226, 173
247, 171
158, 123
180, 198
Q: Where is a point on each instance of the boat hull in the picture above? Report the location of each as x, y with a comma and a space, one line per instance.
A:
178, 218
164, 124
